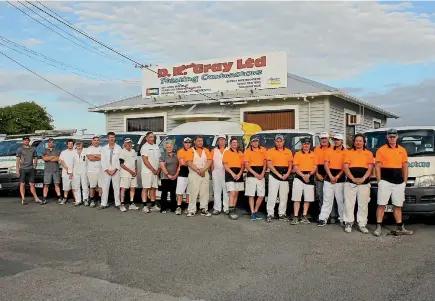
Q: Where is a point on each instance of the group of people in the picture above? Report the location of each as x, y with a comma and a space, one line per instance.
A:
340, 175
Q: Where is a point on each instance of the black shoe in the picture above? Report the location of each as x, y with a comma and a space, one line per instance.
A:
43, 201
321, 223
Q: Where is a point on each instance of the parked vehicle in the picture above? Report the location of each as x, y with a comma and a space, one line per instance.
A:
292, 138
138, 139
419, 142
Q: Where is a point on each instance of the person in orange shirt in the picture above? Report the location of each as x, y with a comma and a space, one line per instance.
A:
256, 164
392, 175
234, 167
199, 161
333, 185
220, 191
358, 166
305, 167
183, 176
279, 161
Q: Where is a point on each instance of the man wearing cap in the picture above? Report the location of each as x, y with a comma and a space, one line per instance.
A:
183, 176
66, 160
392, 175
305, 167
255, 159
27, 160
279, 161
50, 156
94, 170
221, 195
333, 186
199, 161
320, 151
80, 179
111, 171
128, 173
150, 154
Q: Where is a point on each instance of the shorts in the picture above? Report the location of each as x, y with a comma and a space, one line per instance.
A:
51, 177
182, 186
95, 179
27, 175
66, 183
235, 186
150, 180
395, 191
300, 188
128, 182
254, 185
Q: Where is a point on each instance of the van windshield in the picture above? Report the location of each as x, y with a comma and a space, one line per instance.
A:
292, 140
416, 142
178, 141
59, 144
9, 147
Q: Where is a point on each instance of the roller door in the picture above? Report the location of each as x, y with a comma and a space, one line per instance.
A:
272, 120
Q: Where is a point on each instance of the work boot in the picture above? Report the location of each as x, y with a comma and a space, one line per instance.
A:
295, 220
378, 230
402, 231
363, 229
321, 223
348, 228
178, 211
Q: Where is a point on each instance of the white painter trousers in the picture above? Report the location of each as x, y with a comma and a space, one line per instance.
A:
80, 181
352, 192
198, 187
331, 191
221, 196
277, 187
115, 179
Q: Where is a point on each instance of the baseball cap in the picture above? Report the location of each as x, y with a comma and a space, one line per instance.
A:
79, 142
50, 139
338, 136
26, 138
127, 140
279, 136
222, 136
255, 138
323, 135
187, 139
392, 133
305, 140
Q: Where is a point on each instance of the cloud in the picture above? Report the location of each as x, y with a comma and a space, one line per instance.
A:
414, 103
328, 41
31, 42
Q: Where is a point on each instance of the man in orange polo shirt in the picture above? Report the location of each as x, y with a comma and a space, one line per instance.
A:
333, 185
279, 161
234, 167
358, 166
199, 161
256, 164
392, 175
305, 167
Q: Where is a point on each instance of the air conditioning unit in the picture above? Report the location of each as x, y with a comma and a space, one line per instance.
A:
353, 119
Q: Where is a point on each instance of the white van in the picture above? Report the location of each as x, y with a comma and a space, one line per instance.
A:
292, 138
419, 142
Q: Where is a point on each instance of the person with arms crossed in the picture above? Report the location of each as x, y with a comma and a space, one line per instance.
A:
199, 161
280, 162
94, 170
305, 167
150, 153
358, 166
66, 160
50, 156
128, 173
27, 160
333, 185
183, 176
234, 167
111, 168
255, 159
221, 196
80, 179
392, 175
170, 168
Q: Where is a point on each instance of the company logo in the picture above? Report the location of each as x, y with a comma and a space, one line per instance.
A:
419, 164
152, 91
274, 81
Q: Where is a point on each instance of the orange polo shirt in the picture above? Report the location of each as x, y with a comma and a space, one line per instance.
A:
255, 157
233, 159
335, 157
391, 160
189, 154
305, 161
359, 161
321, 153
280, 158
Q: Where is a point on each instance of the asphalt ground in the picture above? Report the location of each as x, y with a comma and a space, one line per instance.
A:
56, 252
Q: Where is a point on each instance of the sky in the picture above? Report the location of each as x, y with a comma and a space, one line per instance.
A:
381, 52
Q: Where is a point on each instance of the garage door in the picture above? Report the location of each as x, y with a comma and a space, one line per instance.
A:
272, 120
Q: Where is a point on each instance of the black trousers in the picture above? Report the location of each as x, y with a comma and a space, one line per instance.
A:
168, 186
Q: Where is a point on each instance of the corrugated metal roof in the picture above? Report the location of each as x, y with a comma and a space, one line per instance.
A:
296, 86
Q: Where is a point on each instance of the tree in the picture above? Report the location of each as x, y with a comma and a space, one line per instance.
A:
24, 118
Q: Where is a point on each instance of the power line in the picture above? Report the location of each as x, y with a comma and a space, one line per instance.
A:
59, 62
73, 95
66, 23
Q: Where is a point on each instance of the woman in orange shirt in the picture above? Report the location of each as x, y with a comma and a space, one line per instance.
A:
234, 166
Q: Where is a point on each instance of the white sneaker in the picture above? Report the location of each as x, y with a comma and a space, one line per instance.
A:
348, 228
155, 208
190, 214
164, 211
122, 208
363, 229
133, 207
178, 211
146, 209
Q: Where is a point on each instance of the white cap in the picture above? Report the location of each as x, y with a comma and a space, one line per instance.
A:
338, 136
323, 135
222, 136
187, 139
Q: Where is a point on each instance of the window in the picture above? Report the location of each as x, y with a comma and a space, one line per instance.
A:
376, 124
145, 124
350, 134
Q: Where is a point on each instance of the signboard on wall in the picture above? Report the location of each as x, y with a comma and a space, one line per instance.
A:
261, 71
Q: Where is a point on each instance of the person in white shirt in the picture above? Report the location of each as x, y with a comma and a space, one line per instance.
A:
80, 179
221, 195
94, 170
111, 171
128, 163
66, 160
150, 154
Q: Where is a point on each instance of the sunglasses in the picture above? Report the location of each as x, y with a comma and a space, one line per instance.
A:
188, 142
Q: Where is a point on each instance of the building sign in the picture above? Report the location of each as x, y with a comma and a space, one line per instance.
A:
261, 71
